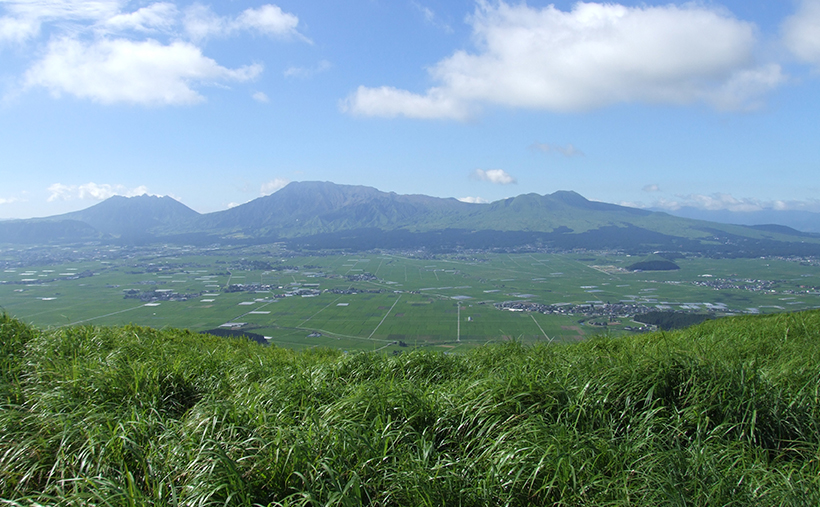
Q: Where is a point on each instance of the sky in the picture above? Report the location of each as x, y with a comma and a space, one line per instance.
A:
708, 104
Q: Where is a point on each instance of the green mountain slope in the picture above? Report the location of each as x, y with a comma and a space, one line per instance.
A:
326, 215
725, 413
304, 208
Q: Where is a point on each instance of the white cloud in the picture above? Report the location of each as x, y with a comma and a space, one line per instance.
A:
592, 56
261, 97
651, 188
723, 201
269, 20
120, 70
160, 16
97, 49
801, 32
91, 191
273, 185
9, 200
63, 9
200, 22
431, 18
496, 176
17, 30
568, 151
391, 102
306, 72
473, 200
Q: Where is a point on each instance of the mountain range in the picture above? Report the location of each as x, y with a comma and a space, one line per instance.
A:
315, 215
806, 221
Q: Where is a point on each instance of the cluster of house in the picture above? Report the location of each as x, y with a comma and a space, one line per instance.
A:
587, 310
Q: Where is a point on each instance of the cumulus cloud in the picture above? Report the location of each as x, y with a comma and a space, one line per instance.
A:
593, 56
100, 50
568, 151
473, 200
9, 200
273, 185
120, 70
496, 176
268, 20
801, 32
91, 191
651, 188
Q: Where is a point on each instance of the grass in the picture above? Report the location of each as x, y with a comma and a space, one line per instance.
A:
726, 413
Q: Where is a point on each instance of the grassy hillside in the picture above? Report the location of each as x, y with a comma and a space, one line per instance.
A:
726, 413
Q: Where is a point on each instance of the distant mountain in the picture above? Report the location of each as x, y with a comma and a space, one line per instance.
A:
305, 208
804, 221
315, 215
46, 231
134, 216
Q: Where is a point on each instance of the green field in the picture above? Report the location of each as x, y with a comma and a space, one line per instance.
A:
725, 413
382, 301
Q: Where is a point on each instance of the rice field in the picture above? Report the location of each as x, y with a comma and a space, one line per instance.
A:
373, 301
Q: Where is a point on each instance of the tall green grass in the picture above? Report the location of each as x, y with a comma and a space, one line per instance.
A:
726, 413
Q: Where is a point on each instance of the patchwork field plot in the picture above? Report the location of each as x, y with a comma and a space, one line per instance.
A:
387, 301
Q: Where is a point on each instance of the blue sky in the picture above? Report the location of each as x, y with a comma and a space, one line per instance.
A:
653, 104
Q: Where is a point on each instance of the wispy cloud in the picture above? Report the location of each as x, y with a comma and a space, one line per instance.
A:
158, 17
261, 97
725, 201
431, 18
568, 150
306, 72
596, 55
91, 191
496, 176
473, 200
651, 188
200, 22
273, 185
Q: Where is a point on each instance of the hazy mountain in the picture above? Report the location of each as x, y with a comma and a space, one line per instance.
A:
805, 221
46, 231
325, 215
130, 216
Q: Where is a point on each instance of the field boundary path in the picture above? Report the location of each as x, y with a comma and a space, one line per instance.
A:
100, 316
385, 316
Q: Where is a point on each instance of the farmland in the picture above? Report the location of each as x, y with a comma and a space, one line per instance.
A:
390, 300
